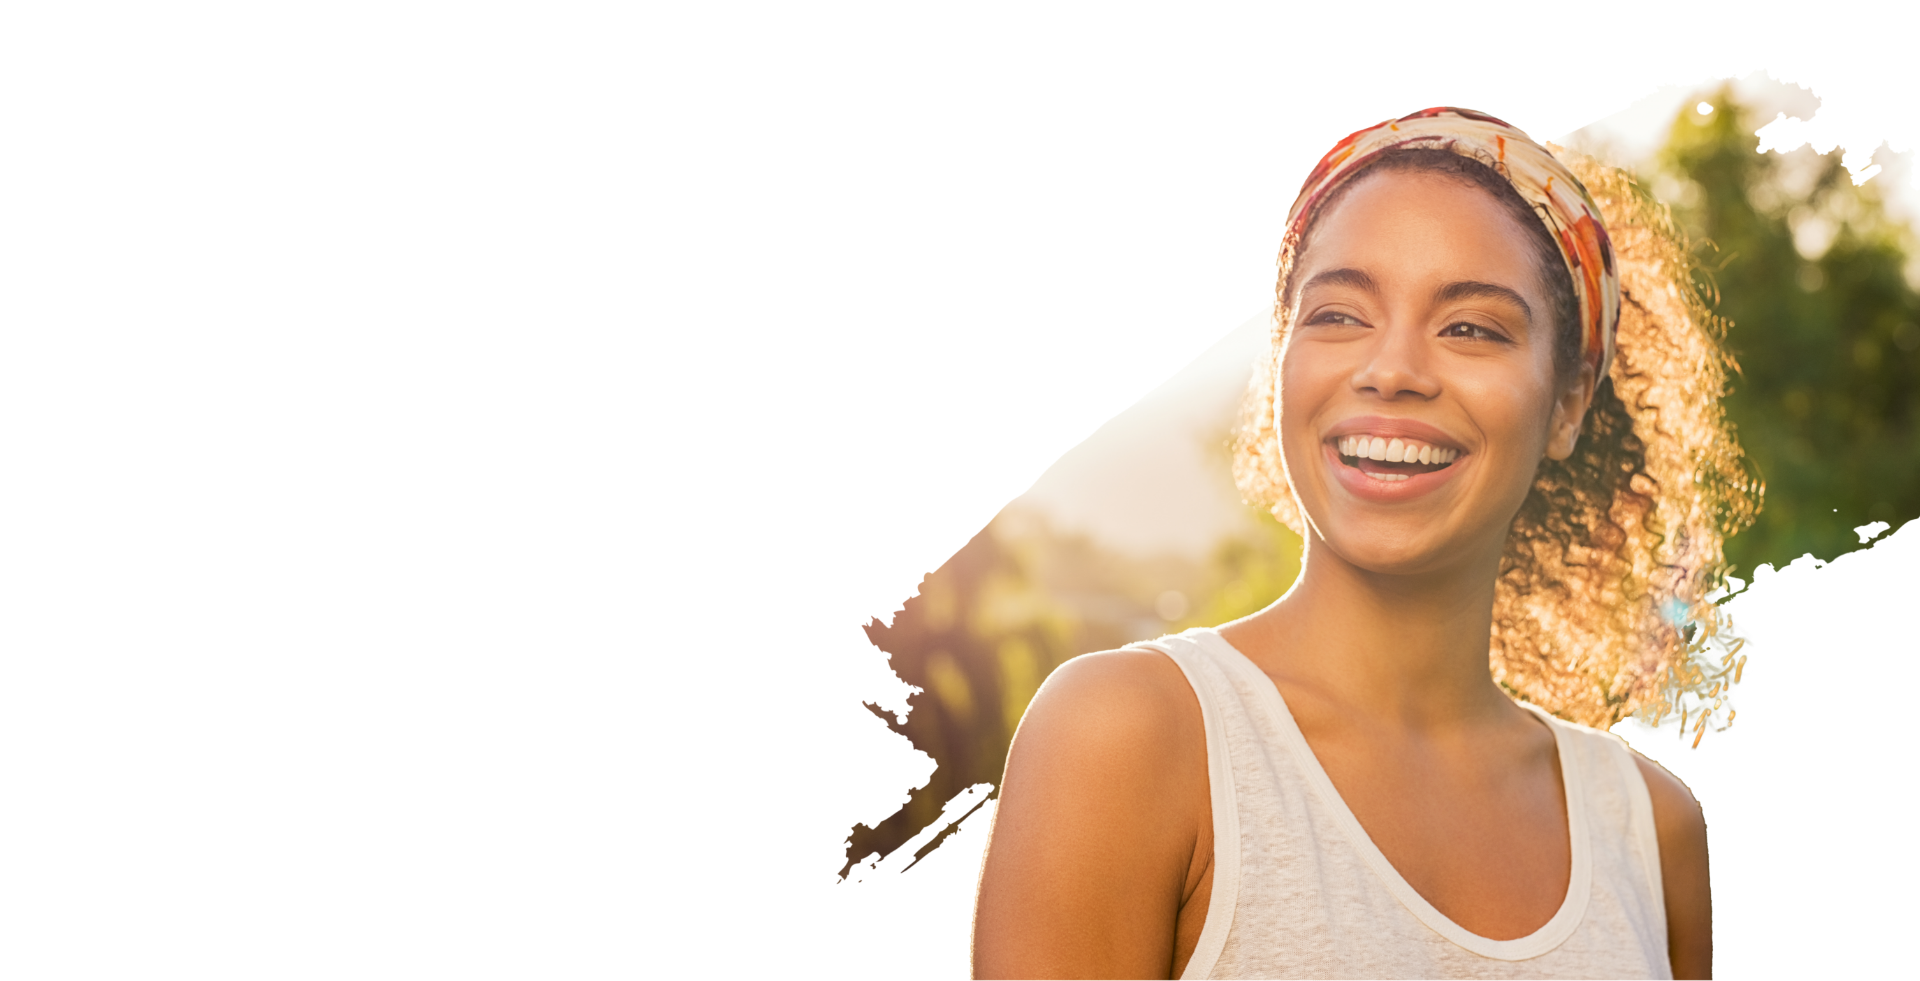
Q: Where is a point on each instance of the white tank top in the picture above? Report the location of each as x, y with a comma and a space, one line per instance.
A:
1300, 891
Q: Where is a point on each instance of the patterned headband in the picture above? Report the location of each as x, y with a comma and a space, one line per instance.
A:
1543, 181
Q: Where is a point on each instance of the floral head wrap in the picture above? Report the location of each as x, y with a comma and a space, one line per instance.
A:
1561, 201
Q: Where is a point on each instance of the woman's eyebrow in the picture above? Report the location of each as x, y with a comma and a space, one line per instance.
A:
1475, 290
1344, 277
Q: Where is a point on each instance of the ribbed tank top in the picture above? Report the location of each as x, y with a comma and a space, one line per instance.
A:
1300, 891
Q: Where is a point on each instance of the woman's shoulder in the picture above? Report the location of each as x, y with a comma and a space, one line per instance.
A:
1139, 665
1103, 825
1673, 799
1116, 682
1119, 698
1112, 749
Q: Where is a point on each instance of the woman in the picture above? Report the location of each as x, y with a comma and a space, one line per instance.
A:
1480, 434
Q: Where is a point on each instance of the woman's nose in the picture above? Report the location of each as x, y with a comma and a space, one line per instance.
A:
1395, 365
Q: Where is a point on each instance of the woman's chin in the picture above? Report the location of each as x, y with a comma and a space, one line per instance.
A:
1400, 544
1374, 550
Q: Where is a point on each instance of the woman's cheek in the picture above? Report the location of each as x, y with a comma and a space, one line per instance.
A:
1296, 407
1308, 386
1513, 415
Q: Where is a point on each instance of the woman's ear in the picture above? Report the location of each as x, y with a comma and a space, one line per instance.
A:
1569, 412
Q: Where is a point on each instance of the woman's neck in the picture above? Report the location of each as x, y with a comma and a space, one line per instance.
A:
1406, 649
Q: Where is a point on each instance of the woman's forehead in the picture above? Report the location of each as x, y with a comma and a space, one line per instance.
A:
1413, 226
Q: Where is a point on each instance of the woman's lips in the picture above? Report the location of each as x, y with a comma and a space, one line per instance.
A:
1387, 481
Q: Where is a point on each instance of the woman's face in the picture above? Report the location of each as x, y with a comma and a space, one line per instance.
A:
1418, 392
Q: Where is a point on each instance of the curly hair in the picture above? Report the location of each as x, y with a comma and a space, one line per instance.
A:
1604, 606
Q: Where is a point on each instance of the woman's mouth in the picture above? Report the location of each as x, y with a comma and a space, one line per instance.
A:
1390, 460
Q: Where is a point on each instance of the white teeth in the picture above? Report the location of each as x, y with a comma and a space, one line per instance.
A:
1393, 450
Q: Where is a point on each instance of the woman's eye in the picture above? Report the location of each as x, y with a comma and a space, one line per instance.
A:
1336, 317
1471, 331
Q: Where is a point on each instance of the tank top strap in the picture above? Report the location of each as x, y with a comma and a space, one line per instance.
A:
1619, 814
1221, 707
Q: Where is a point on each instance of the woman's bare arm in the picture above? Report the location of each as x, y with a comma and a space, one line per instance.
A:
1096, 839
1682, 830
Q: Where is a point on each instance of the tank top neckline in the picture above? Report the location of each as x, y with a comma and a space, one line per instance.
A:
1579, 882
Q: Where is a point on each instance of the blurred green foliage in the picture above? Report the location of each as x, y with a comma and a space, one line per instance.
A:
1246, 572
989, 626
1813, 275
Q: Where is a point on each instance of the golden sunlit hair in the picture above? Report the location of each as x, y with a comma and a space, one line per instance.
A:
1602, 608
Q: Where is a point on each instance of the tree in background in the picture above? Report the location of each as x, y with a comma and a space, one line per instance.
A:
1811, 272
1021, 598
1246, 571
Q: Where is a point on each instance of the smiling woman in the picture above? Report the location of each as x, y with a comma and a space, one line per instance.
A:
1619, 543
1496, 427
